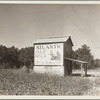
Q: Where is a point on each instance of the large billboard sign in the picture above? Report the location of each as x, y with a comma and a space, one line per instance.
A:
48, 54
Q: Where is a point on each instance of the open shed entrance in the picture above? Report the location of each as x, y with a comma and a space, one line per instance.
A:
69, 61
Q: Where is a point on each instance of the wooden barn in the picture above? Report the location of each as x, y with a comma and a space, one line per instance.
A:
50, 54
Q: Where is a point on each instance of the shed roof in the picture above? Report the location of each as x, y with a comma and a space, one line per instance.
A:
53, 39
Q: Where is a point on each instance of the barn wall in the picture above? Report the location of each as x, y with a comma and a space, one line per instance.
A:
57, 70
67, 49
67, 54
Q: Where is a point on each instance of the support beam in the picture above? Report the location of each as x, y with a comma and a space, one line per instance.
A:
81, 69
85, 70
75, 60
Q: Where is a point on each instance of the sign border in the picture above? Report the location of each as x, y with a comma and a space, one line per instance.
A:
49, 43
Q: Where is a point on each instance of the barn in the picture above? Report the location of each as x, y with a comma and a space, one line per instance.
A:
50, 54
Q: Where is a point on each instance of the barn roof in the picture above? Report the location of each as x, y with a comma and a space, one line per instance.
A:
53, 40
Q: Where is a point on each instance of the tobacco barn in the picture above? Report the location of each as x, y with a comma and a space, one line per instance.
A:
50, 54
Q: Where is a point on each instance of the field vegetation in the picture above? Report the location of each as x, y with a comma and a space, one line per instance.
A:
14, 82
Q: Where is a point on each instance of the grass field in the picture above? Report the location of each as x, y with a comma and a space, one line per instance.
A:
13, 82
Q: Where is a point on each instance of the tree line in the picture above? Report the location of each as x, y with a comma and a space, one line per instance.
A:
84, 54
13, 57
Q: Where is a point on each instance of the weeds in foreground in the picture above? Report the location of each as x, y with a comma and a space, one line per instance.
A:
14, 83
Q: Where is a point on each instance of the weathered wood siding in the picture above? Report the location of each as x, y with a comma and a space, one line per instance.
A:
67, 53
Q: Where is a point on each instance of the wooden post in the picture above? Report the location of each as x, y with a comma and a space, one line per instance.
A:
81, 70
85, 70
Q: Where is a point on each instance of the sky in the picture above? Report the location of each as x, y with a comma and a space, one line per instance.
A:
22, 24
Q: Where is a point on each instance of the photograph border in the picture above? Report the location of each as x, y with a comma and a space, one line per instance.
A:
48, 97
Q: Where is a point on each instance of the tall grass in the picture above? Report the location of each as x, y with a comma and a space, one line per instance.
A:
14, 83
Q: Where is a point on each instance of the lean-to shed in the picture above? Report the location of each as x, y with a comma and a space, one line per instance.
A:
49, 54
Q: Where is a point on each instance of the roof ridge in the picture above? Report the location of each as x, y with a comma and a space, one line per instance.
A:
55, 37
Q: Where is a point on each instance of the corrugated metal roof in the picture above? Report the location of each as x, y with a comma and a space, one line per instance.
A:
52, 39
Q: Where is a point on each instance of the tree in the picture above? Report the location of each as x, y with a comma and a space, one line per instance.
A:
3, 53
97, 63
26, 56
12, 56
8, 57
84, 54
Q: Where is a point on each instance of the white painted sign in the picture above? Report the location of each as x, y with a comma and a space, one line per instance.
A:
48, 54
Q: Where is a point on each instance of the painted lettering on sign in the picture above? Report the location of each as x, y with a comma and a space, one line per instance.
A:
48, 54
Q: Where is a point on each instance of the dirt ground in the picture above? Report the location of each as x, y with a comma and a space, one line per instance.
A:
90, 72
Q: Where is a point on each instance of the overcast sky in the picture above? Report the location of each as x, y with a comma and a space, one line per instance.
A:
21, 25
